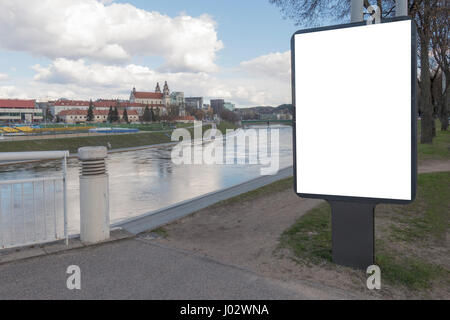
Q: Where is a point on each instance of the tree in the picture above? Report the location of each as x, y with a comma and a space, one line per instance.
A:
423, 12
199, 114
48, 115
229, 116
90, 114
147, 115
173, 112
439, 44
125, 116
190, 111
152, 115
110, 115
115, 115
157, 116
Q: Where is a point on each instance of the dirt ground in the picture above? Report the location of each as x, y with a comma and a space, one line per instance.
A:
246, 234
434, 166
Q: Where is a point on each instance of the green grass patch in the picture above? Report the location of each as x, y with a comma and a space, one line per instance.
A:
223, 126
72, 144
412, 272
310, 237
414, 225
160, 232
427, 218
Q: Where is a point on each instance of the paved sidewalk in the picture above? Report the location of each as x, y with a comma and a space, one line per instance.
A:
138, 268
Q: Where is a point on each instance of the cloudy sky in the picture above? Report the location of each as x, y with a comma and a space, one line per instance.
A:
232, 49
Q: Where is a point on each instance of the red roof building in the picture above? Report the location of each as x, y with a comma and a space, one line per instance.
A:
73, 103
148, 95
19, 104
19, 111
75, 115
150, 98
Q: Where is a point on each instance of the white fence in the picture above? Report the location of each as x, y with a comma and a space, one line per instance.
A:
33, 210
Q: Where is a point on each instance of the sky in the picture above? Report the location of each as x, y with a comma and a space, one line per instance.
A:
91, 49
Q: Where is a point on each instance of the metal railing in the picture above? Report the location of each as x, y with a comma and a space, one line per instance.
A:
34, 210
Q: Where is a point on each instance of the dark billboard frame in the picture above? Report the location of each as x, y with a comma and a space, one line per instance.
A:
413, 117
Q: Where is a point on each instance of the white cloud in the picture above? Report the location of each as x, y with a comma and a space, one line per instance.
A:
108, 32
11, 92
78, 79
3, 76
273, 65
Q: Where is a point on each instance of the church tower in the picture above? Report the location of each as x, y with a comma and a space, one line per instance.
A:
166, 95
158, 89
166, 89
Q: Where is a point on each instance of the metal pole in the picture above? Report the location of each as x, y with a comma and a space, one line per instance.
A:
357, 11
401, 8
64, 165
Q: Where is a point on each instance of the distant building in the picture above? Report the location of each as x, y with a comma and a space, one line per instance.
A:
147, 98
60, 105
229, 106
19, 111
177, 99
121, 105
194, 102
217, 105
100, 116
185, 119
284, 116
155, 99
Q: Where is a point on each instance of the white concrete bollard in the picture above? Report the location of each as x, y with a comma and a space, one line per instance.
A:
94, 195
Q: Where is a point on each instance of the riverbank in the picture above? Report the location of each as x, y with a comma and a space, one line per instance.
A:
113, 142
273, 232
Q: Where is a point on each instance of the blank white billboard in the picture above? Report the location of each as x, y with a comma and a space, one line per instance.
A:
353, 102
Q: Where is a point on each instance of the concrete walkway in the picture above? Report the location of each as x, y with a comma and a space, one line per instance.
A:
139, 268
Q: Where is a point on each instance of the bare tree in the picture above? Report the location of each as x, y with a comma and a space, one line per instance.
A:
311, 13
423, 12
441, 56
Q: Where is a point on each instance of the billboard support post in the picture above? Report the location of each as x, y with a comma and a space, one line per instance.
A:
352, 223
347, 170
353, 234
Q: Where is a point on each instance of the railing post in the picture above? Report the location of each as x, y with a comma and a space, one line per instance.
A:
94, 195
64, 167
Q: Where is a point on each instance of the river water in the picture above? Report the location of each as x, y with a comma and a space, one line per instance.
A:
145, 180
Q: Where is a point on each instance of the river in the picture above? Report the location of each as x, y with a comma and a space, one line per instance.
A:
145, 180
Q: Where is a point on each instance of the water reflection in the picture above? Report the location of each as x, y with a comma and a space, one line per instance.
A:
145, 180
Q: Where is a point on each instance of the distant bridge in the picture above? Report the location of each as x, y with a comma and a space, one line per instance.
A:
244, 122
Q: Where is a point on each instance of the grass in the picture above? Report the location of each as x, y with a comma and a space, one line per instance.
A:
403, 249
310, 237
223, 126
72, 144
160, 232
411, 272
439, 149
429, 216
